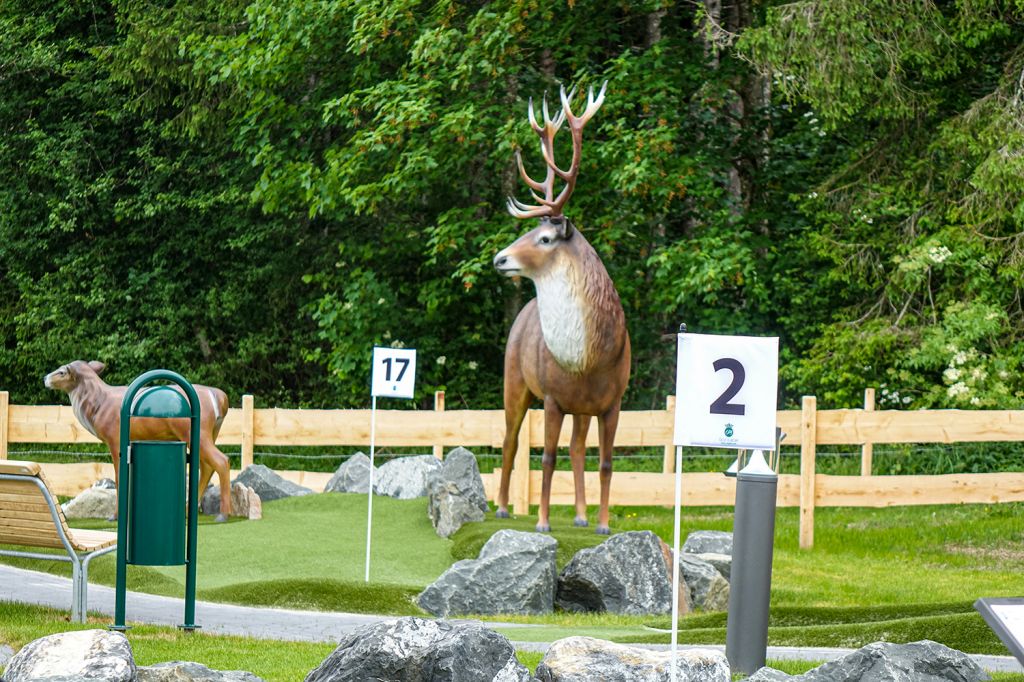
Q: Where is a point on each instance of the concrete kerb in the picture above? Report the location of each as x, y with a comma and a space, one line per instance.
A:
33, 587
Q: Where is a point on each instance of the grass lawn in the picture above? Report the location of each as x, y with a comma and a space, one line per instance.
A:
898, 574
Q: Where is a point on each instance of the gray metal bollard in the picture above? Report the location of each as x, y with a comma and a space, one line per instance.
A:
750, 589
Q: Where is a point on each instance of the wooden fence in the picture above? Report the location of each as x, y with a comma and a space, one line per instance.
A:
440, 428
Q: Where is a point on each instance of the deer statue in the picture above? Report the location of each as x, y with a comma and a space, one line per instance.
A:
97, 405
569, 346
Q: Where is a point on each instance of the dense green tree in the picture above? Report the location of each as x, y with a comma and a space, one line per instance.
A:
258, 192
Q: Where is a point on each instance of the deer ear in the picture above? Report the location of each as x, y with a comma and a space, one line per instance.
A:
97, 366
566, 228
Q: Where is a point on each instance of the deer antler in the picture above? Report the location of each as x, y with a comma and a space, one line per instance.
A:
549, 204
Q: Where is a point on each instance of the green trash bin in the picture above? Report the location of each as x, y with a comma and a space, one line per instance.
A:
156, 533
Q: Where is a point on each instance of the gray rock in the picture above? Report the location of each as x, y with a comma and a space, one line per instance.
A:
767, 674
418, 650
5, 654
515, 573
626, 573
584, 659
73, 657
455, 493
705, 541
244, 501
404, 477
923, 661
92, 503
268, 485
709, 590
721, 562
105, 483
353, 476
186, 671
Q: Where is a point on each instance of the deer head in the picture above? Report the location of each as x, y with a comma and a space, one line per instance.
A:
528, 255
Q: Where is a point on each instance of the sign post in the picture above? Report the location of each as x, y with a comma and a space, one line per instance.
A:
393, 376
726, 389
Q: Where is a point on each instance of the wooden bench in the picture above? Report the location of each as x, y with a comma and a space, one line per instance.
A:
30, 517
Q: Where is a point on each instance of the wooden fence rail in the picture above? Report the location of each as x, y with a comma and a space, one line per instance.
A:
435, 429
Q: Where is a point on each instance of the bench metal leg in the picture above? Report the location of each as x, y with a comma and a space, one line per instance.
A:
77, 592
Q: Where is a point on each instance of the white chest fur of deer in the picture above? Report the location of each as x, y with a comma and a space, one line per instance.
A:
97, 406
569, 346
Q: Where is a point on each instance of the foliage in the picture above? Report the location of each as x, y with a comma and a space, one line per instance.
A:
255, 193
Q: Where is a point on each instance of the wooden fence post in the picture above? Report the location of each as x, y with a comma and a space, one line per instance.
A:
867, 450
668, 463
439, 407
248, 430
808, 435
5, 414
520, 483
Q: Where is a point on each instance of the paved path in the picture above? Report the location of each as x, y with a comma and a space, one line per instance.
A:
315, 626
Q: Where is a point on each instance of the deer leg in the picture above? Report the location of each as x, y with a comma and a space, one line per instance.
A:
578, 456
115, 458
553, 417
607, 424
213, 458
517, 402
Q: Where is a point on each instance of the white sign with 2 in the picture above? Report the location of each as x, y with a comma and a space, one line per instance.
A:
394, 372
726, 388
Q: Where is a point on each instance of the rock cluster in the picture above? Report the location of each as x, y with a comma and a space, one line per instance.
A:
268, 484
584, 659
625, 574
103, 655
514, 573
923, 661
405, 477
353, 476
416, 649
455, 493
97, 502
245, 502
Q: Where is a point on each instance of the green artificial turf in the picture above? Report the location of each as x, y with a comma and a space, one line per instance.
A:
898, 574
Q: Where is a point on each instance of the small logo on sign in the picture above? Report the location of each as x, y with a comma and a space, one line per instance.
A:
728, 431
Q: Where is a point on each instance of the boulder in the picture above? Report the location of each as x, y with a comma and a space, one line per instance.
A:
353, 476
72, 656
455, 493
186, 671
416, 649
584, 659
244, 501
515, 573
705, 541
105, 483
92, 503
268, 485
721, 562
923, 661
708, 589
767, 674
626, 573
404, 477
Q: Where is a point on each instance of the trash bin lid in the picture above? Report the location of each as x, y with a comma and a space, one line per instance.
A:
160, 401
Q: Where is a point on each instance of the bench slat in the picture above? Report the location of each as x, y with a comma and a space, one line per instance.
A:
16, 538
12, 511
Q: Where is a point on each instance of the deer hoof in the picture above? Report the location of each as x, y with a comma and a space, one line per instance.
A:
543, 527
603, 530
221, 518
580, 523
112, 517
501, 514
